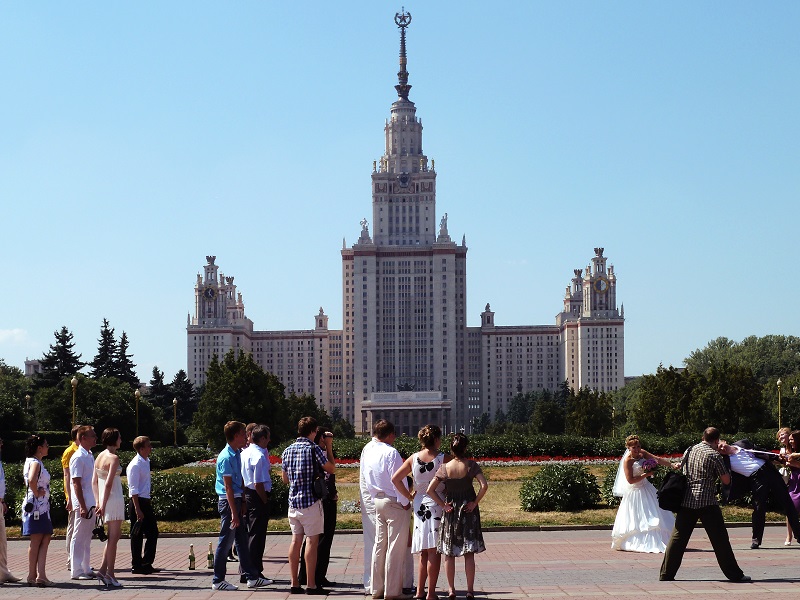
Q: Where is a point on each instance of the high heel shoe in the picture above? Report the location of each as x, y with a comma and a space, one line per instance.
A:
44, 583
103, 579
787, 543
114, 583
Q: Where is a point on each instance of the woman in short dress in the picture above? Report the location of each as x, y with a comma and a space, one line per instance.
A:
422, 466
641, 524
112, 504
792, 456
460, 532
36, 521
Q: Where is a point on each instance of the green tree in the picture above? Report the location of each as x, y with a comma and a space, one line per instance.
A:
105, 361
306, 406
183, 390
125, 368
238, 389
159, 393
102, 403
59, 361
14, 415
589, 413
549, 413
480, 424
520, 408
662, 403
727, 396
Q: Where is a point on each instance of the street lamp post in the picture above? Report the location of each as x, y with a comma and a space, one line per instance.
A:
175, 421
779, 403
27, 402
137, 394
74, 383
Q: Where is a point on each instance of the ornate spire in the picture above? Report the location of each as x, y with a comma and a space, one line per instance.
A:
403, 20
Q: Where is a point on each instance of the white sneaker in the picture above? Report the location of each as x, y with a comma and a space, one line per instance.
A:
224, 586
260, 582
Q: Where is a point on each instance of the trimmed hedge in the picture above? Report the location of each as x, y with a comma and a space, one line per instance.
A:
510, 445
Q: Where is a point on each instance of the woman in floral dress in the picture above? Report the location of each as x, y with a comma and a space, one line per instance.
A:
422, 466
460, 532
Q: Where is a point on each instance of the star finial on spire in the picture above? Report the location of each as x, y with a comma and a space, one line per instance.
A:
402, 20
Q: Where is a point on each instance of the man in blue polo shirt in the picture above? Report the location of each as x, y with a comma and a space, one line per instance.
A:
230, 487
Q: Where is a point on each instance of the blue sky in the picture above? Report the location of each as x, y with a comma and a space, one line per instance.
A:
137, 138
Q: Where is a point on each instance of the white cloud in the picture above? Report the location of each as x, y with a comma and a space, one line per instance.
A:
14, 337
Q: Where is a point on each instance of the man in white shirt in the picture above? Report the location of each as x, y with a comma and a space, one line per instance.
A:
81, 470
257, 489
367, 514
753, 473
140, 509
392, 515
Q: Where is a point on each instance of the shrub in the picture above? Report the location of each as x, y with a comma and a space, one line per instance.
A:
178, 496
606, 488
560, 488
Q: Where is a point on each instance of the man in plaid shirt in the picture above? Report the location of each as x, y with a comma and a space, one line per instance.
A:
702, 464
305, 510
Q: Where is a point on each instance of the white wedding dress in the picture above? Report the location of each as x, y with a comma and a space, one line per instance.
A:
641, 525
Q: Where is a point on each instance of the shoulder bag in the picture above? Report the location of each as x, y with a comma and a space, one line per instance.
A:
319, 488
670, 494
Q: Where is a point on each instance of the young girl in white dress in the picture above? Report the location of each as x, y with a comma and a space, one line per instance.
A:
108, 488
422, 467
641, 525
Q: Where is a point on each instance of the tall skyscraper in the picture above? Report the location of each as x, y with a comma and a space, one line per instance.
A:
404, 351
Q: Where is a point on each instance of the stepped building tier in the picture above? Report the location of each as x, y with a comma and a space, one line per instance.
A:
405, 351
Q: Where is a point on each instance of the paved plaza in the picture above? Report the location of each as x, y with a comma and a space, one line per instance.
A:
517, 564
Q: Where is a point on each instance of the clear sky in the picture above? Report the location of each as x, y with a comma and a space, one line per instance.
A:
136, 138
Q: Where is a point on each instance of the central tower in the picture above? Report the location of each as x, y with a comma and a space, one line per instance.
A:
404, 299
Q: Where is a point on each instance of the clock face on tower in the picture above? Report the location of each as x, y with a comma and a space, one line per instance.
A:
600, 285
209, 293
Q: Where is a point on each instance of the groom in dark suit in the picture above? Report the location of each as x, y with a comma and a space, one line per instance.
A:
753, 472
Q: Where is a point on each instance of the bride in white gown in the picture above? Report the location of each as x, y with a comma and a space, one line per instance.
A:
641, 525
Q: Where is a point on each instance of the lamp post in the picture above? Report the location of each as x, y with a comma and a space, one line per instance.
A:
175, 421
137, 394
74, 383
779, 403
27, 402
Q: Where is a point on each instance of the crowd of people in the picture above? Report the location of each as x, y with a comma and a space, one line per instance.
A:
86, 480
435, 488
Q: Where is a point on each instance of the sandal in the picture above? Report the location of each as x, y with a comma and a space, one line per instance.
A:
470, 596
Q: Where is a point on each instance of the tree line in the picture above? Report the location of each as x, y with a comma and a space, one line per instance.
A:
236, 388
731, 385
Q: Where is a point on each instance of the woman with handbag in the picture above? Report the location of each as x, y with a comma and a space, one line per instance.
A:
108, 488
36, 509
641, 525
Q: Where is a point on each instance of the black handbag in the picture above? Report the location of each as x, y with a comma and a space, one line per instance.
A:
670, 494
319, 488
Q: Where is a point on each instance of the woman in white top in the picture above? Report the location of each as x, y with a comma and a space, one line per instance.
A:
36, 509
108, 488
422, 466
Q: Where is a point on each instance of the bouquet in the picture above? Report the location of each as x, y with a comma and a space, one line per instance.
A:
649, 464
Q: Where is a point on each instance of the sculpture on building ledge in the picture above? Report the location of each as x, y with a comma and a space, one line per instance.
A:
443, 225
211, 259
599, 252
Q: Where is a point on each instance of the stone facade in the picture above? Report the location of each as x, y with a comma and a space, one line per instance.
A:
404, 351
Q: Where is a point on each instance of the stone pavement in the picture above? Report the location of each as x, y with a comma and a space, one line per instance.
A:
517, 564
